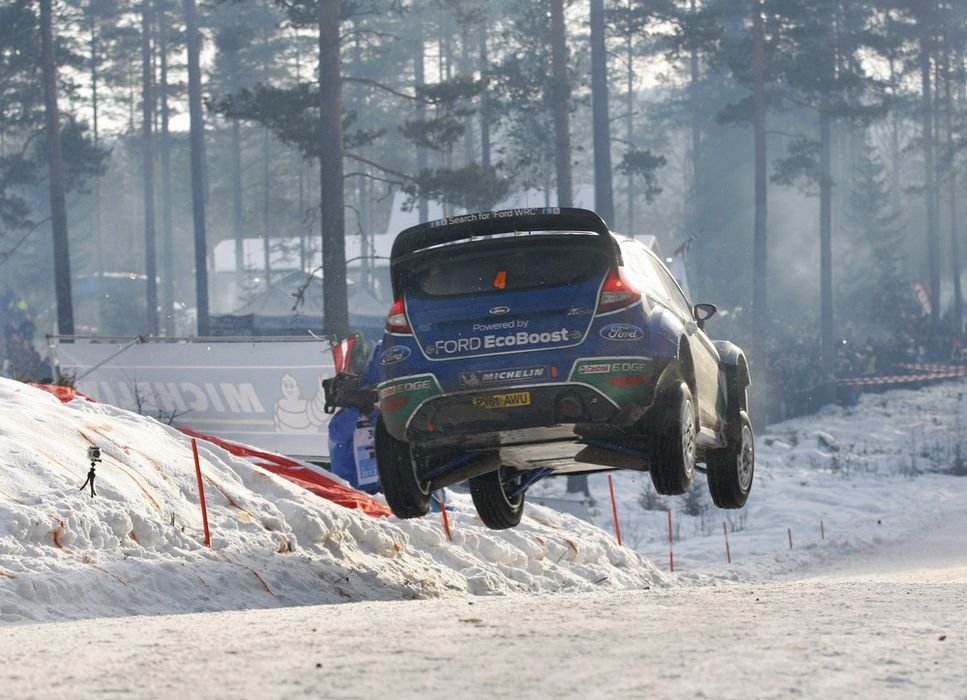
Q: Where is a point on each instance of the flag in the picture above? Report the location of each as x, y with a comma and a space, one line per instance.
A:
676, 264
342, 353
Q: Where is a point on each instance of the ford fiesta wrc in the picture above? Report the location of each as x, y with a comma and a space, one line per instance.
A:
530, 343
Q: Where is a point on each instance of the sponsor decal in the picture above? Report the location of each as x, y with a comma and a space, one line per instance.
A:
624, 380
501, 375
494, 342
579, 311
499, 310
517, 398
637, 366
622, 331
631, 366
400, 397
498, 325
493, 215
629, 381
394, 404
400, 387
394, 354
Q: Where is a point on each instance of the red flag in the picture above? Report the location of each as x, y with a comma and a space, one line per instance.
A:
342, 353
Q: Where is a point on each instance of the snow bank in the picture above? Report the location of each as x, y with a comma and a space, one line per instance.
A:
137, 547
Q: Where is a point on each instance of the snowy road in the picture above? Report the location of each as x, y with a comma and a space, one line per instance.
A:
888, 623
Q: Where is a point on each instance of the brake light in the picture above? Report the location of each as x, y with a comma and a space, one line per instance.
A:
396, 321
617, 292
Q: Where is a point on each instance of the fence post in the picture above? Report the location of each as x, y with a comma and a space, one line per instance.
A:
201, 494
614, 510
446, 518
728, 552
671, 554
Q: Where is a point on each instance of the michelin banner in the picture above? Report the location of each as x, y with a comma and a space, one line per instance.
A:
265, 394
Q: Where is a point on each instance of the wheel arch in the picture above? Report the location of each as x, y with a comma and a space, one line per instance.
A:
736, 368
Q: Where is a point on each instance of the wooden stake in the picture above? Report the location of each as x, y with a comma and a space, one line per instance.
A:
201, 494
614, 510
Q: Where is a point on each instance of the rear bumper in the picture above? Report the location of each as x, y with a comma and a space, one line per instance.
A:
614, 390
455, 418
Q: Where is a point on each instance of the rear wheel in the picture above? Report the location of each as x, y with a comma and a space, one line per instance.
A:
673, 447
730, 470
406, 495
492, 496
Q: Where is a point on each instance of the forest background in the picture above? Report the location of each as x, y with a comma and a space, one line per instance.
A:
811, 151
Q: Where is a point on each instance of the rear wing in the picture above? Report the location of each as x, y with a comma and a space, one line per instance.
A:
491, 223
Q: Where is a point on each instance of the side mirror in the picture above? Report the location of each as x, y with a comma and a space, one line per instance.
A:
703, 312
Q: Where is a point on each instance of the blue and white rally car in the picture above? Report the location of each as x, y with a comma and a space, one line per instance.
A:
527, 343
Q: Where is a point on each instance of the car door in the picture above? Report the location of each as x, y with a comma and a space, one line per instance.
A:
704, 355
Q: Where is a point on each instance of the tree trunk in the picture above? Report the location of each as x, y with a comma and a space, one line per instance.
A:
266, 196
335, 303
760, 310
55, 168
237, 211
98, 221
561, 105
958, 310
419, 80
197, 141
930, 176
630, 130
266, 175
147, 145
827, 340
695, 193
467, 68
167, 242
603, 193
484, 100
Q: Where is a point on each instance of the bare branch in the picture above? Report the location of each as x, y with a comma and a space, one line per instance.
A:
376, 165
381, 86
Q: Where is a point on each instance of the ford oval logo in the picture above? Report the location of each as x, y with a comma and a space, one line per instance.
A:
396, 353
622, 331
499, 310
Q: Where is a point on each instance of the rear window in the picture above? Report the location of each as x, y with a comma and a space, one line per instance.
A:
507, 264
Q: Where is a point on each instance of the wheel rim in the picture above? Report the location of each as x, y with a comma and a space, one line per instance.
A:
509, 480
745, 461
688, 437
422, 486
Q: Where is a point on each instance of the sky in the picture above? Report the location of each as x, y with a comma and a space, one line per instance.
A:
839, 482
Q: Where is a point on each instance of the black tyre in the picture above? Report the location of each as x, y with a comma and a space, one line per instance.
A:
406, 495
491, 494
730, 470
673, 446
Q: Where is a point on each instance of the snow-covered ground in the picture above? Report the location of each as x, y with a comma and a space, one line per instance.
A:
870, 599
136, 548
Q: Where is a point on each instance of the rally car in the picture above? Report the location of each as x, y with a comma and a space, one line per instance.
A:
528, 343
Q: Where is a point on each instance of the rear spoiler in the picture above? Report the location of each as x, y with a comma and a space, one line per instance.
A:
489, 223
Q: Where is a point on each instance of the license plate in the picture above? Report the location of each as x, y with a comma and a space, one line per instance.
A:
517, 398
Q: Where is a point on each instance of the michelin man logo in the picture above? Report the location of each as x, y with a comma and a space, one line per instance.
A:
295, 415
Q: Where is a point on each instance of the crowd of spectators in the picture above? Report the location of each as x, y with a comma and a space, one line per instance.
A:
797, 385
